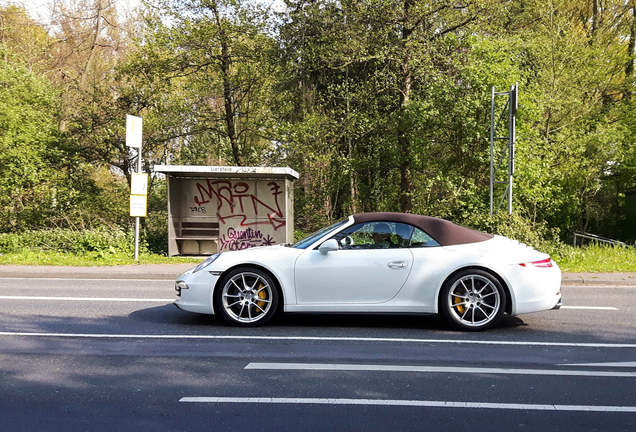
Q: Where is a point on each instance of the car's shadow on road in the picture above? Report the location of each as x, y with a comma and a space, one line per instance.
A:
358, 321
170, 315
415, 321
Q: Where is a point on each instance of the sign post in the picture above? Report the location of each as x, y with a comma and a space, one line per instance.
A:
138, 181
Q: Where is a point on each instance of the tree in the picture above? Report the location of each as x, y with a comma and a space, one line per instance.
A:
23, 40
215, 57
28, 145
376, 73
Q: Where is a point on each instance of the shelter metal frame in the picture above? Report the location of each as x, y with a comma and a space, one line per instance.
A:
508, 152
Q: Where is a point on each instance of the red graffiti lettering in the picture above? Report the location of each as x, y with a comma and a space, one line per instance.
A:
239, 240
236, 201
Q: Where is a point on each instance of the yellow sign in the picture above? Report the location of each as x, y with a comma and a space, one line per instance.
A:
138, 205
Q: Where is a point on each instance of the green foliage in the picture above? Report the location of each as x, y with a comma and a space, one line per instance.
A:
597, 259
155, 232
24, 41
102, 240
538, 235
362, 147
90, 259
592, 258
70, 241
379, 105
205, 72
29, 143
299, 235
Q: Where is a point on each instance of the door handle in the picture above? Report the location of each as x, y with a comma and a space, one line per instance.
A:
398, 264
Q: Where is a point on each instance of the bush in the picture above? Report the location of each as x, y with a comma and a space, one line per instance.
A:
68, 240
155, 232
299, 235
538, 235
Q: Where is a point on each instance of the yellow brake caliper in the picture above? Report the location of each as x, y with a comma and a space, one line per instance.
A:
262, 294
460, 308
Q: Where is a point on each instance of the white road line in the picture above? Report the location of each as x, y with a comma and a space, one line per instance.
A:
615, 364
410, 403
434, 369
105, 299
317, 338
92, 280
590, 307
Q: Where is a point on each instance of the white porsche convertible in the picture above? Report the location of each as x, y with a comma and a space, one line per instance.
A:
377, 263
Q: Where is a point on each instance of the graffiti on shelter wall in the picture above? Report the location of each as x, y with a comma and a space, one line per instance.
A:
249, 213
237, 240
238, 201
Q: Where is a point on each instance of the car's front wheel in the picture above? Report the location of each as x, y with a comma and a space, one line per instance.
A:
473, 300
246, 297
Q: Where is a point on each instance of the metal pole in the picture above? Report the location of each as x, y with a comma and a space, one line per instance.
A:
492, 144
137, 218
510, 149
512, 110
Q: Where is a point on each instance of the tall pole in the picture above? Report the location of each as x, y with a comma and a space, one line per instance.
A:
509, 150
492, 147
512, 113
138, 191
137, 218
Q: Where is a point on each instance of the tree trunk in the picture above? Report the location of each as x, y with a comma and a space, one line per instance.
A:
404, 142
228, 98
631, 46
595, 17
93, 48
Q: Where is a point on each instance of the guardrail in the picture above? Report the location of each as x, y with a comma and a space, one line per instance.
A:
597, 238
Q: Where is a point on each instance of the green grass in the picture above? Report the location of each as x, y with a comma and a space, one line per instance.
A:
87, 248
590, 259
87, 259
597, 259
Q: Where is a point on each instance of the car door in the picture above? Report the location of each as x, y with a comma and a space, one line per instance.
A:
362, 270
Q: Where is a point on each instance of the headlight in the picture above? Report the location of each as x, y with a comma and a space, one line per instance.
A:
209, 260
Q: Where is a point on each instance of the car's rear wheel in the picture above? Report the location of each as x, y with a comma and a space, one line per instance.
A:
246, 297
473, 300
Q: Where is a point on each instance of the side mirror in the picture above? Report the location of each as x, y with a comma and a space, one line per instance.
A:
330, 245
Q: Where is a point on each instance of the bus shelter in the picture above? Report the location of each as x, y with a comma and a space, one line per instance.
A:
218, 208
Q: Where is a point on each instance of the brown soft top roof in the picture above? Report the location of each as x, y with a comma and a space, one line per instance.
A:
444, 232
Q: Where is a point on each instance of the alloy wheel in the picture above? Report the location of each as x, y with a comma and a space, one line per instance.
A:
247, 297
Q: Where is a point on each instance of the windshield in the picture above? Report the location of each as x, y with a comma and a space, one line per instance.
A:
307, 241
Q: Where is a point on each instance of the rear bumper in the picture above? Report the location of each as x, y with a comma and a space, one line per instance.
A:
535, 289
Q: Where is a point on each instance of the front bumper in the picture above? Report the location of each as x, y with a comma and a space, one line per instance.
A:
195, 291
180, 286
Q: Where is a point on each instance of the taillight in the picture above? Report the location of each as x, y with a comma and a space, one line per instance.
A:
543, 263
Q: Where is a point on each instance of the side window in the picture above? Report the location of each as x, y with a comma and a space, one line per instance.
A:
375, 235
421, 239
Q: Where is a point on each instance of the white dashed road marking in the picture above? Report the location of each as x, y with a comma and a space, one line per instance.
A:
614, 364
435, 369
410, 403
319, 338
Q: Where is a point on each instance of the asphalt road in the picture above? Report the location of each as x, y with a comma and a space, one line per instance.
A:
93, 355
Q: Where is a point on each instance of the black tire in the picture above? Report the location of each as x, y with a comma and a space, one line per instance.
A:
472, 300
246, 297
